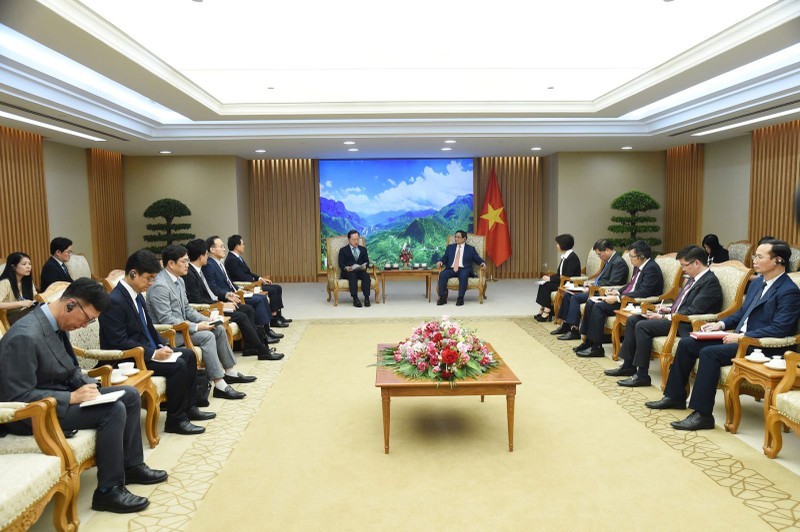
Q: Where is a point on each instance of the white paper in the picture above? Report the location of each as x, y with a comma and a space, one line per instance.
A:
104, 398
172, 358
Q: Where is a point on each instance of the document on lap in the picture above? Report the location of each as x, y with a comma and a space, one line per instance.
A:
103, 398
172, 358
712, 335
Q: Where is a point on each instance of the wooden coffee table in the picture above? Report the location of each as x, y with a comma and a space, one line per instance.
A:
499, 381
404, 275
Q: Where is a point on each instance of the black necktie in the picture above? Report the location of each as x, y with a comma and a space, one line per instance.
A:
143, 319
67, 345
66, 271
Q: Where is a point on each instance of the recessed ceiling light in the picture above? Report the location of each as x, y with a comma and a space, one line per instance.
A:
747, 122
449, 142
627, 148
447, 149
165, 152
261, 151
536, 148
49, 126
348, 142
550, 88
352, 149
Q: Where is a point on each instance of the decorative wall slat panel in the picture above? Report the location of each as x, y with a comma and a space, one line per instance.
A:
23, 197
683, 212
520, 183
284, 217
106, 210
774, 179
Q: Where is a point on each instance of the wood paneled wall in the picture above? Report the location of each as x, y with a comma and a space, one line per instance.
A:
683, 212
520, 183
23, 197
774, 180
284, 219
106, 210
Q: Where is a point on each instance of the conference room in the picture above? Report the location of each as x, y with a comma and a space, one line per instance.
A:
127, 125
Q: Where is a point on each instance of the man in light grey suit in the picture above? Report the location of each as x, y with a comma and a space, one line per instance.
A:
37, 361
168, 304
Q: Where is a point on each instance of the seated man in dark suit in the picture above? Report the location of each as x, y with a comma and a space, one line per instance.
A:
701, 294
127, 325
457, 261
614, 273
353, 262
770, 309
217, 277
55, 268
646, 281
198, 291
37, 361
239, 271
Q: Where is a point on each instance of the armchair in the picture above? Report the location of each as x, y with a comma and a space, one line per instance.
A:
741, 251
594, 265
784, 408
477, 281
335, 283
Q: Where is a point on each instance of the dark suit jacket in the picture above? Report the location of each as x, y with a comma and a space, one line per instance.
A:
238, 270
705, 297
615, 272
216, 279
650, 282
195, 290
52, 272
572, 268
346, 258
34, 364
470, 257
775, 315
121, 328
721, 255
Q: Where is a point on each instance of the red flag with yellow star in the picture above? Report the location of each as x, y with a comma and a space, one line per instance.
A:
493, 223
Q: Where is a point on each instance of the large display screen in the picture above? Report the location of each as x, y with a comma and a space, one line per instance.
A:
396, 204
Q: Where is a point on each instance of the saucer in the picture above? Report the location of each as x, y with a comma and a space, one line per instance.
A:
777, 366
761, 360
116, 379
130, 372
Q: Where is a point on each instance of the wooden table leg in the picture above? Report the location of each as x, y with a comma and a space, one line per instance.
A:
386, 399
733, 403
510, 412
428, 286
768, 391
383, 288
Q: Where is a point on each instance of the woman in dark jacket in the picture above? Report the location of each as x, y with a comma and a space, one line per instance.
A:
716, 253
569, 265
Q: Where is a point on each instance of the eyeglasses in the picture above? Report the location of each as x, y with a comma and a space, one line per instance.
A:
88, 319
760, 257
631, 255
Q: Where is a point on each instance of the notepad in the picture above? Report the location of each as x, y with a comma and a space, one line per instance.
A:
172, 358
103, 398
712, 335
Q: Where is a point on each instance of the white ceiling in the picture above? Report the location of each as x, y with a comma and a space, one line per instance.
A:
299, 78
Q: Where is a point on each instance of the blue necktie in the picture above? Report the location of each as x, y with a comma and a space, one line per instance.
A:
142, 318
66, 271
750, 309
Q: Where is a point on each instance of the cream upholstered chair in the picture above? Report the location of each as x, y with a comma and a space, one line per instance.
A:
335, 283
593, 266
53, 292
742, 251
79, 267
40, 472
785, 407
477, 281
733, 276
794, 259
745, 342
153, 390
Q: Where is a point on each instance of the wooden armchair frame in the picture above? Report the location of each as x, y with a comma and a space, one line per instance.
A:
776, 419
333, 245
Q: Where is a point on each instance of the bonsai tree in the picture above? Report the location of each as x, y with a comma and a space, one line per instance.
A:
168, 232
632, 225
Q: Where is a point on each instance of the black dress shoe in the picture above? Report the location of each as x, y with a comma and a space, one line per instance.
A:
665, 403
249, 352
561, 329
142, 474
228, 393
621, 371
571, 334
542, 318
366, 301
270, 341
276, 323
195, 414
118, 500
459, 301
595, 351
183, 427
635, 381
284, 318
581, 346
272, 355
273, 334
357, 302
442, 301
238, 378
695, 421
280, 319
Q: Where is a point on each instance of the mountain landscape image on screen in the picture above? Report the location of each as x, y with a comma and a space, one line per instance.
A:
424, 232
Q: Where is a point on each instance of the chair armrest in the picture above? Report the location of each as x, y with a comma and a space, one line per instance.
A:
768, 342
481, 276
698, 320
790, 378
113, 355
103, 373
183, 328
575, 280
46, 429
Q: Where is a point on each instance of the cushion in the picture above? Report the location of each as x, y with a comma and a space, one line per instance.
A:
82, 445
788, 404
234, 328
160, 384
24, 479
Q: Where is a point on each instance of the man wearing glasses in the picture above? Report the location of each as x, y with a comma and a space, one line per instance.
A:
701, 294
55, 268
770, 309
646, 281
37, 361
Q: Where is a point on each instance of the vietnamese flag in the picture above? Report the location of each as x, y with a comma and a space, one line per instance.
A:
493, 223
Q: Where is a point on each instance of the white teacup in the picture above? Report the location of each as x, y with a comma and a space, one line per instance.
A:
396, 265
416, 264
424, 264
256, 289
214, 314
126, 366
777, 358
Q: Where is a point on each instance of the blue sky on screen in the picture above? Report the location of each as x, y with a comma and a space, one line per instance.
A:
368, 186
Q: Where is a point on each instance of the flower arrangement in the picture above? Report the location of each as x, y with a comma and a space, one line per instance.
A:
440, 350
405, 255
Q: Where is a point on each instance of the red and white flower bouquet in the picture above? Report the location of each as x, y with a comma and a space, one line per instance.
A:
440, 350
